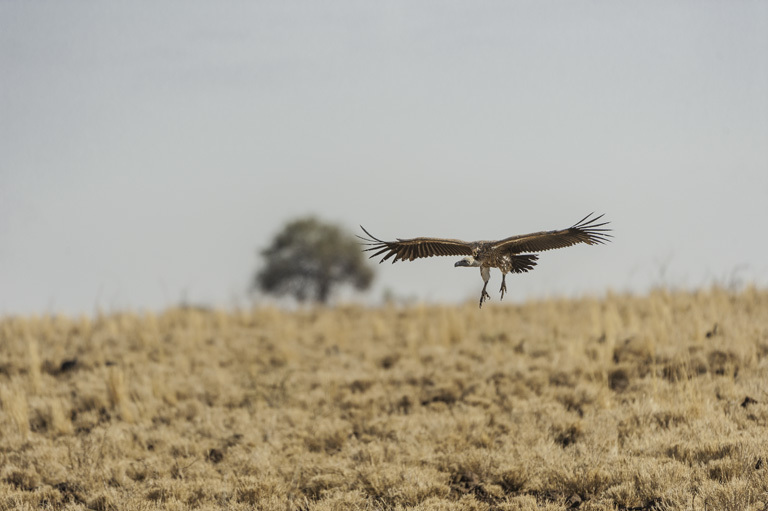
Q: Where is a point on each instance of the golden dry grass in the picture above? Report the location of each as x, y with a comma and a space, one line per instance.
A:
653, 402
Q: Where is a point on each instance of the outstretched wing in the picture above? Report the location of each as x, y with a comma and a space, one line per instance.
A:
586, 230
415, 248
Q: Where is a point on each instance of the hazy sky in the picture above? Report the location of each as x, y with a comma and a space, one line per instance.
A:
148, 150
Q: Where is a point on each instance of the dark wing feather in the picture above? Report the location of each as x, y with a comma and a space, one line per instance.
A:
586, 230
408, 250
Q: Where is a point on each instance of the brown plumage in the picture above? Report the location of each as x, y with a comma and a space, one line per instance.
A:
506, 255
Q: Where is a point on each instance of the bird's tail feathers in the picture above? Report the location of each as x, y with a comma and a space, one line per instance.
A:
523, 263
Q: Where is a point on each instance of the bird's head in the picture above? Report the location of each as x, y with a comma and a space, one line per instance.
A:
468, 261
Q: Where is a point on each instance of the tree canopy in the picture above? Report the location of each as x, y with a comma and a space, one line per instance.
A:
309, 259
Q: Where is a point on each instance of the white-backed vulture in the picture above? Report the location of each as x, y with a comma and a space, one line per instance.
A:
507, 255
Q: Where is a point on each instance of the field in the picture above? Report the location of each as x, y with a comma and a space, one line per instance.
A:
619, 402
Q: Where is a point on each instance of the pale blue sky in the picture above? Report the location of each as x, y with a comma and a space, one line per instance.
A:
148, 150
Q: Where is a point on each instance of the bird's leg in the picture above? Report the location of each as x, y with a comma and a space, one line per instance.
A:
485, 273
484, 295
503, 285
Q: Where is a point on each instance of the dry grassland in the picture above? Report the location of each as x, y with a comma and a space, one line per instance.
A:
653, 402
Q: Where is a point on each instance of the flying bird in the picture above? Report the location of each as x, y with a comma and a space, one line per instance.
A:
508, 255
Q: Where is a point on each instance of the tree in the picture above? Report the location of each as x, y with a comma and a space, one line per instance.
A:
310, 259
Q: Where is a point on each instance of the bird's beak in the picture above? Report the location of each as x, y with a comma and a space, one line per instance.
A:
461, 262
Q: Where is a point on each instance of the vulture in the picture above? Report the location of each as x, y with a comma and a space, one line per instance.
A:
508, 255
